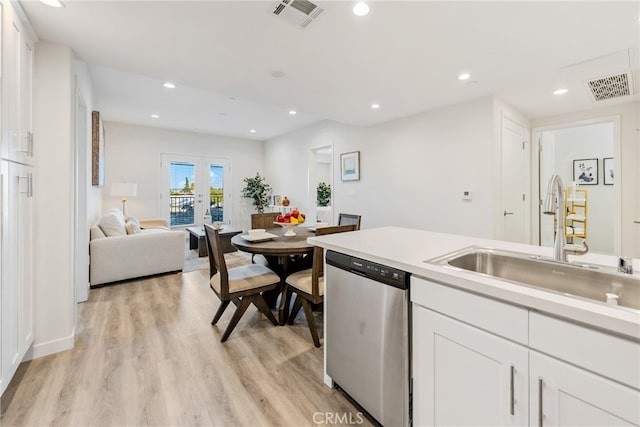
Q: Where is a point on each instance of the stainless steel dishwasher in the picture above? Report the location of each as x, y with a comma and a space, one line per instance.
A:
367, 336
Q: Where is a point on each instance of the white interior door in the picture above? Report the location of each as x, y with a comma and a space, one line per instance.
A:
514, 145
193, 184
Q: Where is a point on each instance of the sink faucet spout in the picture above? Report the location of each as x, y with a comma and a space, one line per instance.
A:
554, 205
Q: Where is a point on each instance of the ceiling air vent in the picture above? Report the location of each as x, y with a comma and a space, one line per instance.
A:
298, 12
610, 87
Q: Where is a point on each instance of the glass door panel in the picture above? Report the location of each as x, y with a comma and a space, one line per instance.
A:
182, 191
193, 184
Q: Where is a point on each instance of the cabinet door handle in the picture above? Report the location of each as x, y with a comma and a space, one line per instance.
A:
637, 222
507, 213
30, 136
30, 185
512, 402
540, 413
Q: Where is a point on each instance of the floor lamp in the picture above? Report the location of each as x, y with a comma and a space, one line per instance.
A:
124, 190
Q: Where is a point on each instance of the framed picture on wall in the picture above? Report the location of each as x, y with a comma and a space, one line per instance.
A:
350, 166
607, 170
97, 150
585, 171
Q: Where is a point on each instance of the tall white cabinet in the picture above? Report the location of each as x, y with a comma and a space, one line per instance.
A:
16, 190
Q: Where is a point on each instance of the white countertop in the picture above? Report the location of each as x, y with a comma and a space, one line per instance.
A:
407, 250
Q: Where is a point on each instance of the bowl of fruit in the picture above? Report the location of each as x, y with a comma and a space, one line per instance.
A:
290, 220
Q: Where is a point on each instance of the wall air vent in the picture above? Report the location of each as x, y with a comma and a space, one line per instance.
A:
298, 12
610, 87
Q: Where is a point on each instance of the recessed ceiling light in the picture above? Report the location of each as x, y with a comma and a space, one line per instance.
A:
375, 106
231, 98
464, 76
252, 131
169, 85
361, 9
560, 91
277, 74
52, 3
223, 114
293, 112
155, 116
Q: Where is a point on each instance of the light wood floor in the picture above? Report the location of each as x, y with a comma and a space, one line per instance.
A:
146, 354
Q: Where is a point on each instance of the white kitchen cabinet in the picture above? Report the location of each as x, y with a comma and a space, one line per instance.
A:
16, 152
17, 269
466, 376
17, 143
464, 345
564, 395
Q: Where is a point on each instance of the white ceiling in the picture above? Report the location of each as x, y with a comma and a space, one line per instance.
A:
404, 55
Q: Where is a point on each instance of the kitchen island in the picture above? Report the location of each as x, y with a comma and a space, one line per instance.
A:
489, 351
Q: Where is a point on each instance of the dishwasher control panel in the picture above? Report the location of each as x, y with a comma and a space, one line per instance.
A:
378, 272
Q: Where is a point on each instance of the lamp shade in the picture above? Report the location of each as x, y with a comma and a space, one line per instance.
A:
124, 189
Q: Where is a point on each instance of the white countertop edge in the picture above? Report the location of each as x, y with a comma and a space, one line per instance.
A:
619, 320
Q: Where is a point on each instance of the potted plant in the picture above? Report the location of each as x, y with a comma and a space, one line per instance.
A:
258, 190
323, 194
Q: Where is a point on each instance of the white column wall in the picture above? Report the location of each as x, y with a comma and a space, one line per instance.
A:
53, 194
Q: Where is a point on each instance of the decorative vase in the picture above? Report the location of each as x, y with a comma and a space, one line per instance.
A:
285, 201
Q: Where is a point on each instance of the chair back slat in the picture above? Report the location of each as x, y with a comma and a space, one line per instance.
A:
264, 220
318, 257
217, 264
345, 218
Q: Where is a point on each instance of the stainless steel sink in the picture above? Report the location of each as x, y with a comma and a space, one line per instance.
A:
594, 282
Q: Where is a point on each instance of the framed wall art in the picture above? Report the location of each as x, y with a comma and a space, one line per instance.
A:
607, 171
350, 166
585, 171
97, 150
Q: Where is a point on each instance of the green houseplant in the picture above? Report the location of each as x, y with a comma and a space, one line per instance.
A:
258, 190
323, 194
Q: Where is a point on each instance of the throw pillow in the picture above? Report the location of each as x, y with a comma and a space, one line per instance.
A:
132, 227
132, 219
112, 225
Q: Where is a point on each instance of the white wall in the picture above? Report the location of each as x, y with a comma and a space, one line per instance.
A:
628, 177
85, 86
53, 95
132, 154
584, 142
413, 170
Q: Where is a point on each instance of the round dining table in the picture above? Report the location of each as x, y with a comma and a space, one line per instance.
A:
285, 255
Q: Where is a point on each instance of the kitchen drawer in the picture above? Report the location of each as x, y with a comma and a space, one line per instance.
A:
608, 355
493, 316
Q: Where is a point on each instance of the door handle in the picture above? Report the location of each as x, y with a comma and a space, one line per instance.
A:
512, 402
636, 222
540, 412
507, 213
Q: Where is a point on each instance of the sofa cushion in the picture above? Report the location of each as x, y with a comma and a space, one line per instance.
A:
112, 225
116, 212
132, 227
132, 218
96, 233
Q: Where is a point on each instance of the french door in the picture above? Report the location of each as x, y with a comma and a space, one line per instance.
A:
193, 185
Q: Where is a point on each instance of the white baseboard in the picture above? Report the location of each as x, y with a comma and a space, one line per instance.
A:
46, 348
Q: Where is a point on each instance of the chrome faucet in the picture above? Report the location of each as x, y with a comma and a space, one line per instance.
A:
554, 205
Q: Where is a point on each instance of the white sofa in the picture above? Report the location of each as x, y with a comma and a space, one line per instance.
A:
116, 255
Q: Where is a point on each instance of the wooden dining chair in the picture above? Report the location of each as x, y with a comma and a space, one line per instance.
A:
309, 284
344, 219
263, 220
245, 283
